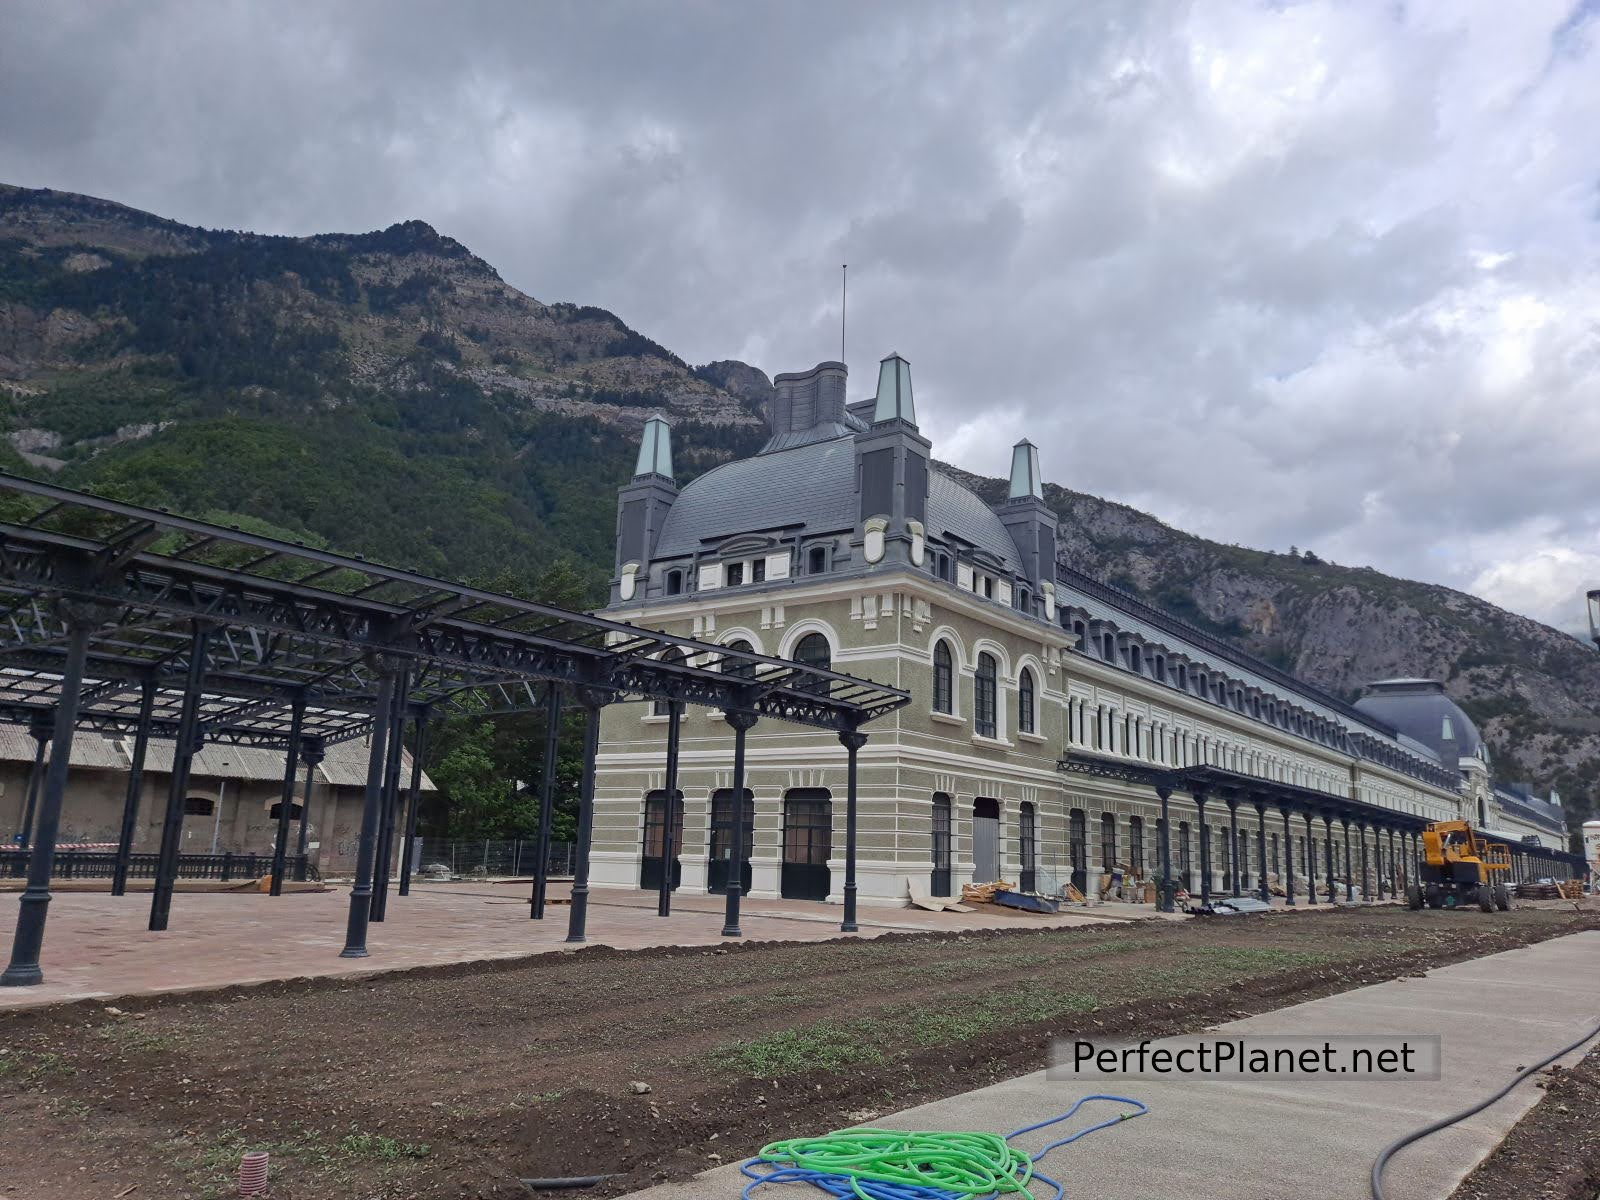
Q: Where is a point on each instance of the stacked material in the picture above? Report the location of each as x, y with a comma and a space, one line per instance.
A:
983, 893
1572, 889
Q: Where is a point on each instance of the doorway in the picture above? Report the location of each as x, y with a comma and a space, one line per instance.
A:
722, 835
940, 884
655, 821
807, 843
985, 840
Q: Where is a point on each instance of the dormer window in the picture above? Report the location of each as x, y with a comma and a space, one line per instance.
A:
1183, 678
674, 582
758, 570
1135, 660
817, 560
988, 587
735, 574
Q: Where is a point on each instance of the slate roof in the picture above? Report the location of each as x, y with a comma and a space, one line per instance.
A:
810, 488
954, 509
1417, 708
1098, 609
1535, 812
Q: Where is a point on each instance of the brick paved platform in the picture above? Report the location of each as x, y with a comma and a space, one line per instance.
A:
96, 945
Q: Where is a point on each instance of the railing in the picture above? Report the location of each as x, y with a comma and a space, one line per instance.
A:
101, 864
489, 857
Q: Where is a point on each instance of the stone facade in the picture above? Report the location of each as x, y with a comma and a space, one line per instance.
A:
887, 576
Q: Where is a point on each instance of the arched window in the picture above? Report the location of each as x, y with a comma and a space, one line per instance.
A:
1108, 840
983, 706
817, 560
944, 670
736, 666
198, 806
1025, 704
813, 651
276, 812
1024, 600
1136, 844
660, 707
674, 582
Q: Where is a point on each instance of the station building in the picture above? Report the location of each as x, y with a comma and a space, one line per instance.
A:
841, 543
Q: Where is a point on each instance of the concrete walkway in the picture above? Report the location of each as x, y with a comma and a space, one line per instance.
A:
1271, 1139
96, 945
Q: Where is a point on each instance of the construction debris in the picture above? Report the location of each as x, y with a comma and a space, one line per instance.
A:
1571, 889
983, 893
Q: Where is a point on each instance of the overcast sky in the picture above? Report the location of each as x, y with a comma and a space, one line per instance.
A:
1313, 274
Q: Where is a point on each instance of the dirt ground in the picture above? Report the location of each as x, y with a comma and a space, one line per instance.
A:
1554, 1151
454, 1081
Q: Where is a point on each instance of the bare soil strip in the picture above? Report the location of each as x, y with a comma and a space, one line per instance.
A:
452, 1082
1554, 1151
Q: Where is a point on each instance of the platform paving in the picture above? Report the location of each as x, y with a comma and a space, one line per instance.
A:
96, 945
1271, 1139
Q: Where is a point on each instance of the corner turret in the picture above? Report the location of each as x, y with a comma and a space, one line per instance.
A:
642, 507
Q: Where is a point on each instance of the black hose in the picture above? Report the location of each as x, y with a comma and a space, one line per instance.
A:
1401, 1143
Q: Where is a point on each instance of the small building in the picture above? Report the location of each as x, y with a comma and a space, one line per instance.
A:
231, 805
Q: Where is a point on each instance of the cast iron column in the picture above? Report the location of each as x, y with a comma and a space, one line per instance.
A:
1366, 892
670, 813
853, 740
41, 727
383, 859
592, 701
355, 937
183, 748
1233, 845
23, 969
1261, 852
1288, 858
1205, 849
291, 760
547, 800
741, 722
311, 755
1167, 890
1327, 854
130, 801
414, 801
1349, 877
1311, 862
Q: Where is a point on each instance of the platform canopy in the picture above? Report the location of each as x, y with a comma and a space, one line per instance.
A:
286, 622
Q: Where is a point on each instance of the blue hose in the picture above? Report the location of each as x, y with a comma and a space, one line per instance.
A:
847, 1185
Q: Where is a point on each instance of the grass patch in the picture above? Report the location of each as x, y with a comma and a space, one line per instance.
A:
31, 1067
376, 1147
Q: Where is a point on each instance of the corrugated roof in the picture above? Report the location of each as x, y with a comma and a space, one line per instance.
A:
345, 763
89, 749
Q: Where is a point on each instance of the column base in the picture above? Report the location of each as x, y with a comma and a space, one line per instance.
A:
353, 952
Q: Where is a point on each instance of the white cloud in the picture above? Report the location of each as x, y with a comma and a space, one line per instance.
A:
1321, 273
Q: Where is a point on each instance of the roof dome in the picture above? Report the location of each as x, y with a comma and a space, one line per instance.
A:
810, 490
1421, 712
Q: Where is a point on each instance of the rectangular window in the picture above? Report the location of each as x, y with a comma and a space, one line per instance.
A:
735, 575
758, 570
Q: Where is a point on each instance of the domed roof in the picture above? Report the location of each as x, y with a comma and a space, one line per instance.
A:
1420, 711
811, 490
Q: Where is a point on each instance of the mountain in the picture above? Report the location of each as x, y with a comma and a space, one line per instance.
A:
387, 391
390, 394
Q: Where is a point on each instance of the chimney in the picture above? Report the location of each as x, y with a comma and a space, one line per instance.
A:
806, 406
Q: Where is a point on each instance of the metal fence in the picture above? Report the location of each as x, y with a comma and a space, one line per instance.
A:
487, 857
101, 864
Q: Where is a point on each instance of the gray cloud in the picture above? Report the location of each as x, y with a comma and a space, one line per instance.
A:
1314, 273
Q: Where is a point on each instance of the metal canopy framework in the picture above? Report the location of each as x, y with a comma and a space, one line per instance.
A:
130, 619
1204, 782
288, 620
